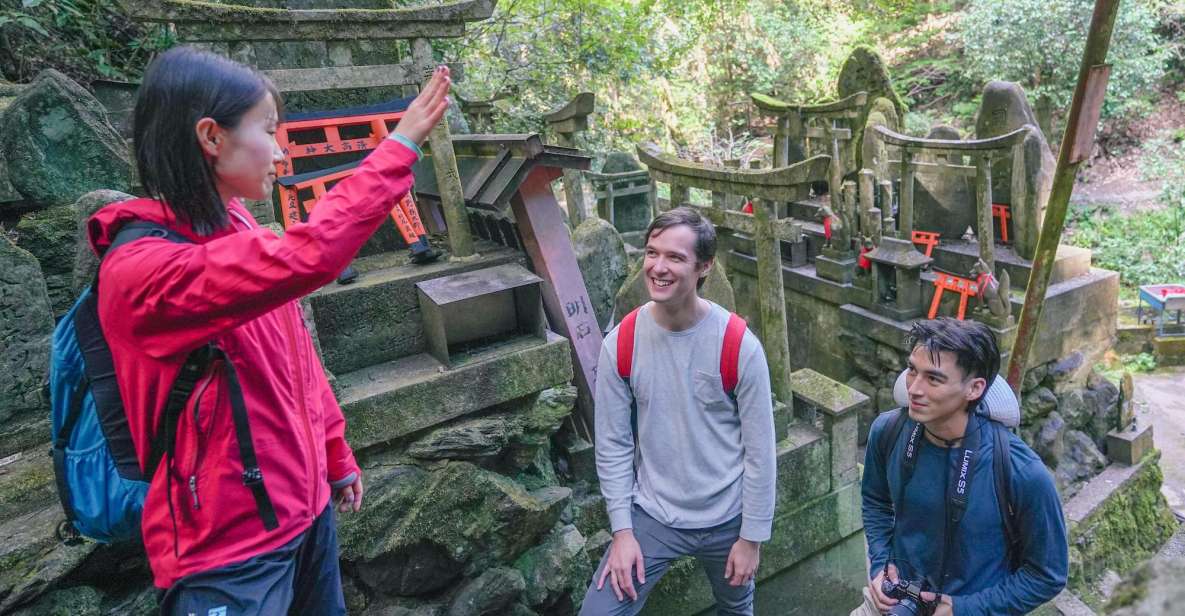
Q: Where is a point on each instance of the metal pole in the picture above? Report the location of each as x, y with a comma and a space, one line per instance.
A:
1075, 148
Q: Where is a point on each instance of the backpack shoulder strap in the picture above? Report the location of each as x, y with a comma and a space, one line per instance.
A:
140, 229
888, 438
1002, 470
625, 344
730, 352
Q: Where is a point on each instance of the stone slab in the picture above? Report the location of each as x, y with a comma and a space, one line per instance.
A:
1130, 445
826, 395
377, 319
395, 399
1169, 350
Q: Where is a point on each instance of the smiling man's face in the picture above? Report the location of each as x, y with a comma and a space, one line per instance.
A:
938, 388
670, 265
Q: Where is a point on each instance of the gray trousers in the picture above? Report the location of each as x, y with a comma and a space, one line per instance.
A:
661, 546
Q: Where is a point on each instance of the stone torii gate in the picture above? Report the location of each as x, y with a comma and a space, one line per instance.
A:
767, 188
236, 31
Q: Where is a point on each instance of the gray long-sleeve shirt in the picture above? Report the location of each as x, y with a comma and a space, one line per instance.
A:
701, 458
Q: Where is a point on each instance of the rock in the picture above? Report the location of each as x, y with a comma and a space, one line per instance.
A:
1005, 108
34, 561
620, 162
59, 145
422, 529
1078, 407
861, 353
1069, 372
555, 571
1127, 400
26, 325
401, 606
603, 264
49, 235
139, 603
889, 358
86, 263
1107, 409
470, 439
1033, 378
633, 292
874, 153
1047, 439
1037, 404
943, 131
488, 594
76, 601
549, 410
1081, 460
1154, 589
865, 71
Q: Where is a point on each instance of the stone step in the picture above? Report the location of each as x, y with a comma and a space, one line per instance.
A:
397, 398
377, 319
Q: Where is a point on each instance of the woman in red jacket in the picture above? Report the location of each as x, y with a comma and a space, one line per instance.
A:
204, 138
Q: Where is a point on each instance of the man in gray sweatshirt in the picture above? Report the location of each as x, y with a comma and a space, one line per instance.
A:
686, 467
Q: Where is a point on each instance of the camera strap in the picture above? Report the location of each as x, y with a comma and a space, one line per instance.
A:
957, 486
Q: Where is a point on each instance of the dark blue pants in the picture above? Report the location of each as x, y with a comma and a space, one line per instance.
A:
302, 577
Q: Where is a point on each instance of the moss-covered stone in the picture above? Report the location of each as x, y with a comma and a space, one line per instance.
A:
556, 572
394, 400
1154, 589
27, 484
32, 559
1122, 531
26, 324
59, 144
601, 256
423, 528
76, 601
49, 236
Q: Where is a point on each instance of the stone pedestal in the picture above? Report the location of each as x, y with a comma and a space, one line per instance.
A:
1129, 445
836, 265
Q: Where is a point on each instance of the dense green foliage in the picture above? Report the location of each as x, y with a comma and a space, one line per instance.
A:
1039, 44
1145, 248
85, 39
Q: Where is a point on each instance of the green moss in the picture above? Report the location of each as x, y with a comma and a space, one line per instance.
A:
1125, 531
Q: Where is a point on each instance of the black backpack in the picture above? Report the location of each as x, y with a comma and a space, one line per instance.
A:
1001, 469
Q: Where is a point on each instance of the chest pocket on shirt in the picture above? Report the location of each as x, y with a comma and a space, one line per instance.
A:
709, 392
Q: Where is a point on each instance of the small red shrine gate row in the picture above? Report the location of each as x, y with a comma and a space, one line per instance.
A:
341, 131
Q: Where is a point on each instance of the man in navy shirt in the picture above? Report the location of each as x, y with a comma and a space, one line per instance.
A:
932, 514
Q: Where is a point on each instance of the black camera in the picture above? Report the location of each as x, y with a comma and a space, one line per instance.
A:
909, 598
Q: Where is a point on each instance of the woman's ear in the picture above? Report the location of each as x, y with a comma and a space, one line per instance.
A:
209, 136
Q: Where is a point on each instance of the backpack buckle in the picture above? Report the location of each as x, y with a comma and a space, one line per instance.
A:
252, 476
67, 534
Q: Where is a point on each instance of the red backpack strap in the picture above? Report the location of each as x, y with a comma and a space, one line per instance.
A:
625, 344
730, 352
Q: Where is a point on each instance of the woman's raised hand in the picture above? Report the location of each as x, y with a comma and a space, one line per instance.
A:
427, 109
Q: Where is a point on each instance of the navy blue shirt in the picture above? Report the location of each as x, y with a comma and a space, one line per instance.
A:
912, 535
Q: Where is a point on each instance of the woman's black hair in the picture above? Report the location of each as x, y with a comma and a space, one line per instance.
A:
182, 86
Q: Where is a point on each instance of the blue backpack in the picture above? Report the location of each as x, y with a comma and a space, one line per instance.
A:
99, 480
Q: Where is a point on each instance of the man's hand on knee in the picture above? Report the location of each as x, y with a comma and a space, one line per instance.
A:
883, 602
742, 563
624, 555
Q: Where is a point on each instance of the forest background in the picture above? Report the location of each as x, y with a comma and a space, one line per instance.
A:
679, 73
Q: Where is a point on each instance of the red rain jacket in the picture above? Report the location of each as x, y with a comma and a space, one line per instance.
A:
239, 287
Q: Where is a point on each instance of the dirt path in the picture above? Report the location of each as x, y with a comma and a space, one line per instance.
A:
1160, 398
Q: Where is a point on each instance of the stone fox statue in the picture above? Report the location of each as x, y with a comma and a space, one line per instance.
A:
993, 292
